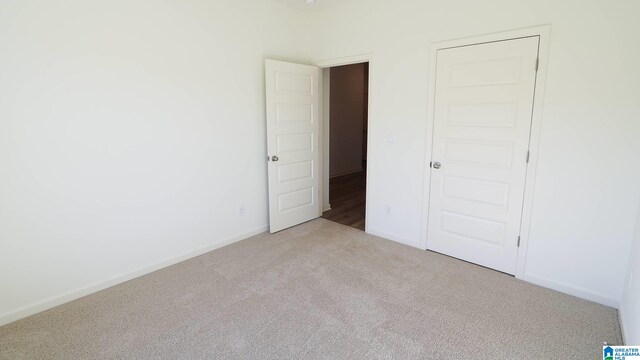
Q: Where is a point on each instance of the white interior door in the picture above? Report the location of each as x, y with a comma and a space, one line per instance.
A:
292, 105
482, 122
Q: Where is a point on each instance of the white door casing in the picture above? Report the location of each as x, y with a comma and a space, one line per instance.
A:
292, 106
482, 123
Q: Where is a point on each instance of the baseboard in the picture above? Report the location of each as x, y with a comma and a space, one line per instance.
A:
54, 301
395, 238
620, 320
347, 172
572, 290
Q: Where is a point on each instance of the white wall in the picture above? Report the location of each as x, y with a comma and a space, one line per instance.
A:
346, 119
130, 133
585, 193
630, 305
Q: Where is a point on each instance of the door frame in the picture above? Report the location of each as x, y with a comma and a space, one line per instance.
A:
543, 31
324, 126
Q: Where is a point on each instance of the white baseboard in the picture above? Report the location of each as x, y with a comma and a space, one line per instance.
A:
621, 321
395, 238
572, 290
57, 300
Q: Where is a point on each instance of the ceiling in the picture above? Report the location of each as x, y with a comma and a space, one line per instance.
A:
302, 5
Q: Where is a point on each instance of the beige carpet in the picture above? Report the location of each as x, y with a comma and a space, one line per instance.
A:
318, 291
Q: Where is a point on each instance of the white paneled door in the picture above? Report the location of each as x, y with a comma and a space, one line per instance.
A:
482, 122
292, 104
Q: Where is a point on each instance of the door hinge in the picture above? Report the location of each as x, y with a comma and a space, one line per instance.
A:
537, 64
528, 155
518, 240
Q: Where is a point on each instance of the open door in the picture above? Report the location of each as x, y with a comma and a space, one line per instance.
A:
292, 106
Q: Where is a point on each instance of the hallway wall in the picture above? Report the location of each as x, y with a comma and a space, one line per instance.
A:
347, 99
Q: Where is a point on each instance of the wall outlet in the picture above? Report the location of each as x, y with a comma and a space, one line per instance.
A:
242, 210
387, 209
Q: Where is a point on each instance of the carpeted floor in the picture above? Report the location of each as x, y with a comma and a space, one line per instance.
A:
320, 290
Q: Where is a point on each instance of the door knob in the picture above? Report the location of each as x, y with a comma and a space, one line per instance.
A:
274, 158
436, 165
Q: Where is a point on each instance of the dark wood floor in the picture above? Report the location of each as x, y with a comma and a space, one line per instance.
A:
347, 195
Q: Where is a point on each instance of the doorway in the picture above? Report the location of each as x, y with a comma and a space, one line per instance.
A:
346, 97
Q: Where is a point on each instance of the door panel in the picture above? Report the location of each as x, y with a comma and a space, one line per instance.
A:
292, 99
482, 122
